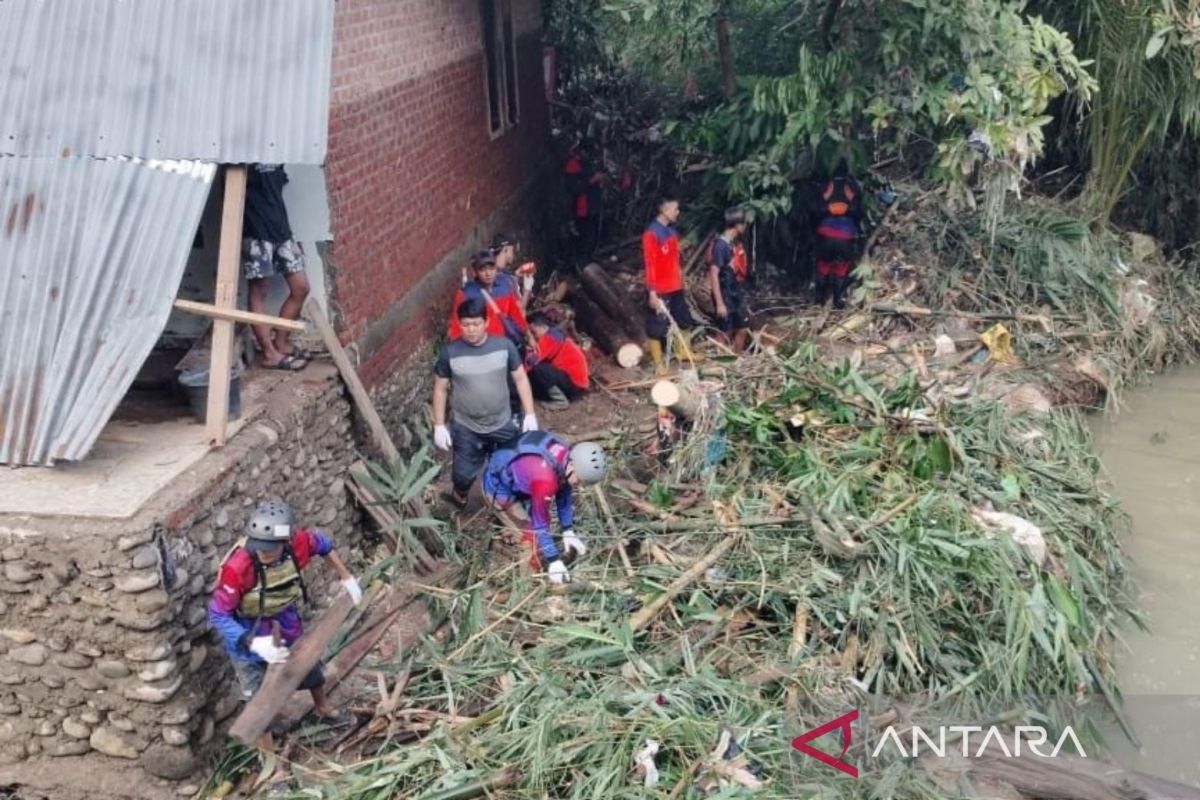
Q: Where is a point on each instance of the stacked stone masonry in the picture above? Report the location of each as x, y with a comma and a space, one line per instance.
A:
105, 644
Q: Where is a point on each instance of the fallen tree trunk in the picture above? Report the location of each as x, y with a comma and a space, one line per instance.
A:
681, 401
613, 299
1073, 778
605, 331
283, 679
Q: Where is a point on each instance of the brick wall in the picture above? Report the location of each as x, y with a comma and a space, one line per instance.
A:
415, 179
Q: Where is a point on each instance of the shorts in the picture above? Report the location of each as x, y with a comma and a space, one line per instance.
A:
735, 303
262, 259
250, 676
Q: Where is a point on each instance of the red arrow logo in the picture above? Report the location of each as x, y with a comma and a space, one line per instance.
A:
843, 723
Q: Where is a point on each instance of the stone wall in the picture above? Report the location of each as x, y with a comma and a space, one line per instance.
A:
105, 645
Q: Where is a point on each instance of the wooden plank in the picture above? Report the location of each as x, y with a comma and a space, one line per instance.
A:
228, 256
237, 315
283, 679
357, 391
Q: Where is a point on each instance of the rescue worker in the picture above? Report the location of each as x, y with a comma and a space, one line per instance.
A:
479, 373
837, 205
504, 248
541, 466
727, 274
498, 293
558, 369
666, 296
585, 187
260, 585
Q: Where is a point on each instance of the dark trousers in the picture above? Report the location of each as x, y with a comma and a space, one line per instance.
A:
585, 238
543, 376
657, 326
471, 451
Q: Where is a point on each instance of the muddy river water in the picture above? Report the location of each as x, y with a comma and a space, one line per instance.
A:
1151, 452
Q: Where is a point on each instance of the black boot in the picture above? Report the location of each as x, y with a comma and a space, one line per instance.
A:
822, 289
839, 292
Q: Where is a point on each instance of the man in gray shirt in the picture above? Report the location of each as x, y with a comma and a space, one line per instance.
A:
476, 370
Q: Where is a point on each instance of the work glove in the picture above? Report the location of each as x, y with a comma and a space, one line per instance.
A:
529, 423
353, 589
265, 648
572, 543
527, 283
557, 572
441, 437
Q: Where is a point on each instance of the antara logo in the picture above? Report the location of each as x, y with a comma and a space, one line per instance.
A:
1033, 737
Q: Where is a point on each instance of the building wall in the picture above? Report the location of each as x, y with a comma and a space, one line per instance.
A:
416, 181
105, 646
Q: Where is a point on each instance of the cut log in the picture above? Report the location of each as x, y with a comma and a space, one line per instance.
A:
604, 330
283, 679
681, 401
612, 297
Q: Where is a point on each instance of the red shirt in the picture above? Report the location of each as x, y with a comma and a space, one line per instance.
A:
559, 350
660, 251
504, 293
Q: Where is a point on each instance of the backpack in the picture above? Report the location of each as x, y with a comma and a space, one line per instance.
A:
532, 443
839, 196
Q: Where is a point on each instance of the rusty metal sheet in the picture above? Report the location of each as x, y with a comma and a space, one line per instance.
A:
232, 81
91, 255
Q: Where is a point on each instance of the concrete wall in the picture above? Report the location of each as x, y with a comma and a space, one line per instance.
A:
416, 180
105, 645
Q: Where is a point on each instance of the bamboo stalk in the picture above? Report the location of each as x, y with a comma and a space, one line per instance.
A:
642, 618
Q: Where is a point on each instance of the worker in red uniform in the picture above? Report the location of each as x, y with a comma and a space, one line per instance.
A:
666, 296
836, 204
500, 296
558, 369
585, 188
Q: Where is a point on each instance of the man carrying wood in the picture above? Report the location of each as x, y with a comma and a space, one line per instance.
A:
254, 608
558, 369
539, 467
501, 301
727, 272
666, 294
478, 367
268, 249
504, 248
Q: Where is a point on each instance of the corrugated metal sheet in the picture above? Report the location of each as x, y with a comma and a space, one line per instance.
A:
91, 255
233, 81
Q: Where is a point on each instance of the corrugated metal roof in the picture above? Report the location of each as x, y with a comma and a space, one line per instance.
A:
233, 81
91, 255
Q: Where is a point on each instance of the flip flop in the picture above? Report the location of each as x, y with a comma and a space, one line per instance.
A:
288, 363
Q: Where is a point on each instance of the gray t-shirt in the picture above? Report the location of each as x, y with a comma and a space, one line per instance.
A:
478, 377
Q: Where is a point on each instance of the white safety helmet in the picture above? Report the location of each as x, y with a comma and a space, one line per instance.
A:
271, 522
589, 462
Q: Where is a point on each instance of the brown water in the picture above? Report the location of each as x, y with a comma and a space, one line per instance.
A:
1151, 451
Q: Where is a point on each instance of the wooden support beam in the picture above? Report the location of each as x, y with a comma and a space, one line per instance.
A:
228, 256
237, 315
358, 392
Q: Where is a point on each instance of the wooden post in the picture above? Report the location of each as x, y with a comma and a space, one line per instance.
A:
229, 255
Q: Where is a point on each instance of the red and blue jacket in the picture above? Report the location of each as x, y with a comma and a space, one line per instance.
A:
559, 350
510, 320
660, 251
534, 472
238, 577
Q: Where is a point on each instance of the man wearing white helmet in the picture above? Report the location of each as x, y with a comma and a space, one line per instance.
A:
538, 468
260, 585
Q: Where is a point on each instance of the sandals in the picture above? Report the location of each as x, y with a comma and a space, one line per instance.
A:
289, 363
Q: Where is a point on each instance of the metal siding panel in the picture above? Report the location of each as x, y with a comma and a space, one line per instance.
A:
91, 255
233, 81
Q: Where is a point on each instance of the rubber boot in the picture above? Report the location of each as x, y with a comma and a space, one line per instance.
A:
655, 349
839, 292
558, 400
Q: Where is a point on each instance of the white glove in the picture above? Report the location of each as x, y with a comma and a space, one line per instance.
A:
265, 648
441, 437
527, 283
558, 572
571, 542
353, 589
530, 424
